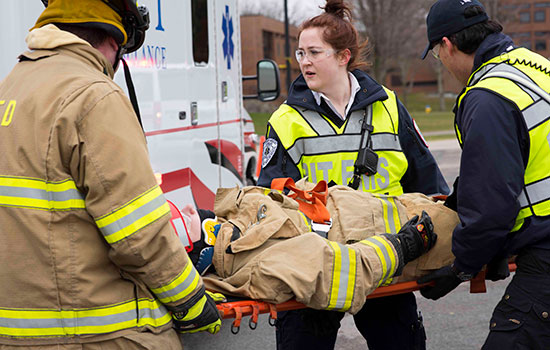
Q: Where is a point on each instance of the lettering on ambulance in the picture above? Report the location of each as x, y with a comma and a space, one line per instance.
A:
159, 26
150, 56
381, 179
8, 113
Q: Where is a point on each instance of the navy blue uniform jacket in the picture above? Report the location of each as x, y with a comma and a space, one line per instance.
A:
494, 156
422, 175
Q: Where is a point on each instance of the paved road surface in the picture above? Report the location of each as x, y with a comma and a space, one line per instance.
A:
459, 321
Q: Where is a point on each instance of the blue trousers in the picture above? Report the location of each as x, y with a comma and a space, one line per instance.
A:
521, 320
388, 323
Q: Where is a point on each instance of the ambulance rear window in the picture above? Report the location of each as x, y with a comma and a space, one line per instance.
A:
199, 12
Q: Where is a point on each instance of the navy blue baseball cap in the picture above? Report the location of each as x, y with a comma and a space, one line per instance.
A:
446, 17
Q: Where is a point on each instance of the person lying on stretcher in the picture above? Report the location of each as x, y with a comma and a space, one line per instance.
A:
255, 245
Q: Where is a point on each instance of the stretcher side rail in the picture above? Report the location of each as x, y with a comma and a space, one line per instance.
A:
238, 309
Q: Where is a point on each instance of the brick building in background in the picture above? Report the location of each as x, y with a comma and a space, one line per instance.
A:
526, 21
263, 37
530, 24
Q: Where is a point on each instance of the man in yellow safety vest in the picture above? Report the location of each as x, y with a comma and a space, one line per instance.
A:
503, 191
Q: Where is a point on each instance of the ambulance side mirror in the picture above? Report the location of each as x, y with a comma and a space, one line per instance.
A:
268, 84
268, 80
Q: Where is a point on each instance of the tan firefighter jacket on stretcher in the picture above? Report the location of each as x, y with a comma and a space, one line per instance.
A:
87, 249
277, 258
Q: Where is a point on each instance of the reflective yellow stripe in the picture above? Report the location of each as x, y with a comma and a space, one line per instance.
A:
350, 290
308, 223
386, 255
64, 323
335, 275
40, 194
391, 215
133, 216
343, 277
181, 286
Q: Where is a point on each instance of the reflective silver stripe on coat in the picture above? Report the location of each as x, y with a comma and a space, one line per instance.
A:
540, 113
317, 122
385, 142
132, 217
340, 143
503, 67
389, 213
536, 114
389, 266
192, 275
75, 322
34, 193
355, 121
537, 192
531, 94
72, 322
479, 74
506, 68
344, 276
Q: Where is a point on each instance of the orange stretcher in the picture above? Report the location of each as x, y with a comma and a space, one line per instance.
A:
238, 309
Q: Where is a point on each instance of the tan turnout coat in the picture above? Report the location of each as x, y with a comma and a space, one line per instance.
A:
277, 258
87, 249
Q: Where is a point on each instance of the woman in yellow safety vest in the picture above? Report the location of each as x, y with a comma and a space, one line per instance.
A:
340, 125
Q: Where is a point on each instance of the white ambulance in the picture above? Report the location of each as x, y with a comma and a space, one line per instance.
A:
188, 82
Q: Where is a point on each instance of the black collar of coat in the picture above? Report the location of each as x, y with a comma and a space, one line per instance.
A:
371, 91
494, 45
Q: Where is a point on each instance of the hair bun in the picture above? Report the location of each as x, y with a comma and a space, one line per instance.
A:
338, 8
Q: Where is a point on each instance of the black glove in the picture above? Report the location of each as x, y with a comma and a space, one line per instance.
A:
198, 314
416, 237
446, 279
451, 201
497, 269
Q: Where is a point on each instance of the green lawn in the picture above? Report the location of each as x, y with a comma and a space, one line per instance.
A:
418, 102
434, 121
260, 122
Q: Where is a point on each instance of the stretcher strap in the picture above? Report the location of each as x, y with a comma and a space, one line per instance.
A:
312, 203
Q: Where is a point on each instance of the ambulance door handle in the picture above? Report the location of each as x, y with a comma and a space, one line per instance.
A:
194, 113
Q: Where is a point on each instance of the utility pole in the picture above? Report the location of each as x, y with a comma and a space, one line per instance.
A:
287, 49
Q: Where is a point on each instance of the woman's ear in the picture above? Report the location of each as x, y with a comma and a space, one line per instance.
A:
344, 57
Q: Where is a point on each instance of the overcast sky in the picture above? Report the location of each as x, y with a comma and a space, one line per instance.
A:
304, 8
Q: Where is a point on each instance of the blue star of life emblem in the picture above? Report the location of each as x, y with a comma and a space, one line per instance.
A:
228, 46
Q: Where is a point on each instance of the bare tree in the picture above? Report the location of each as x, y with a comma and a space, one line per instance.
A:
393, 28
275, 10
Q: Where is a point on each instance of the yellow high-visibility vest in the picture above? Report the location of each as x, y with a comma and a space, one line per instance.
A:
523, 78
323, 151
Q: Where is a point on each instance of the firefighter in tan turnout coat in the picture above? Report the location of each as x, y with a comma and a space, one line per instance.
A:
88, 254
